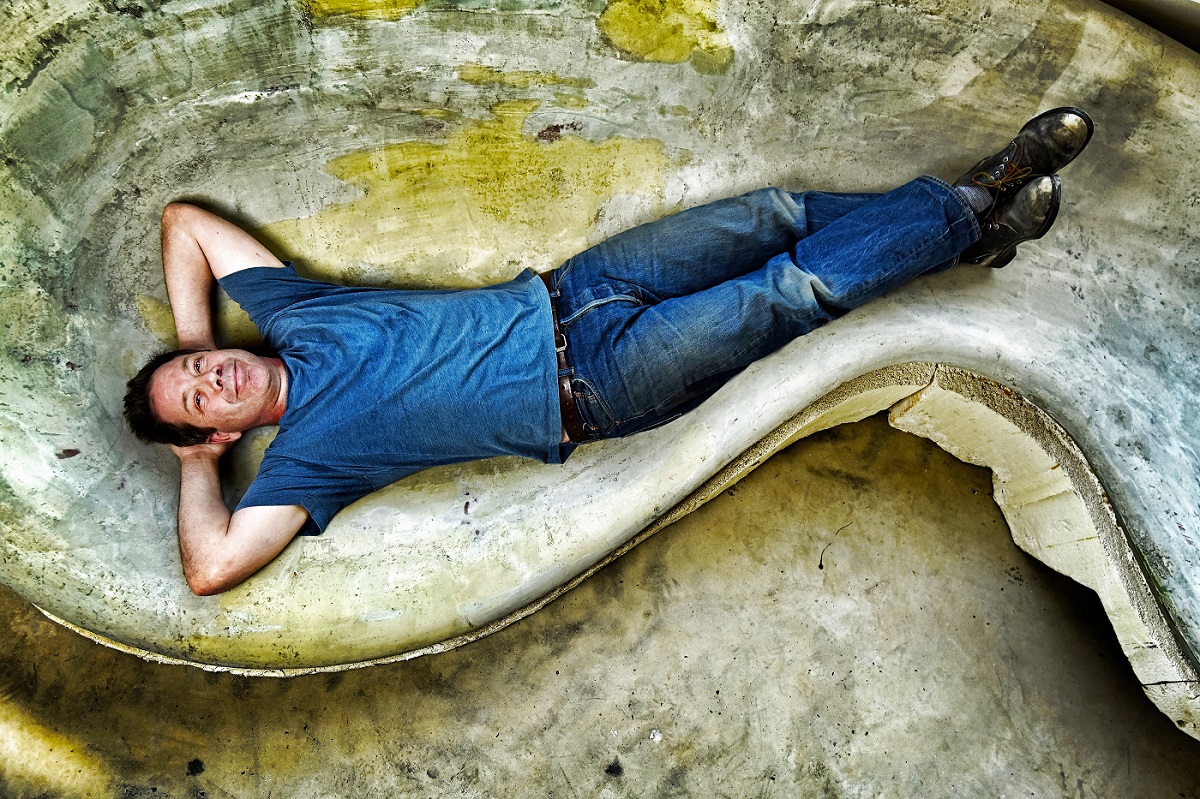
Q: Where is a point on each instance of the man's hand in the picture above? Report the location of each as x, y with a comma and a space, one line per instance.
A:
220, 550
209, 450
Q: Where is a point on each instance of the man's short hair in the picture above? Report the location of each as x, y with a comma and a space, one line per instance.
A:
139, 413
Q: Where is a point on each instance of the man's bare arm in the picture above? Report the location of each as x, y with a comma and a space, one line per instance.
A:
220, 549
198, 247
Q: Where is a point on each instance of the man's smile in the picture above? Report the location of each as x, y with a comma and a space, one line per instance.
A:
230, 390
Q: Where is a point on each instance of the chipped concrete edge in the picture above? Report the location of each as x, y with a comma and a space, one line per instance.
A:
1159, 658
1058, 512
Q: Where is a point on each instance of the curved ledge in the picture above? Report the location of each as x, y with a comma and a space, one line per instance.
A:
315, 125
1056, 508
1059, 513
850, 402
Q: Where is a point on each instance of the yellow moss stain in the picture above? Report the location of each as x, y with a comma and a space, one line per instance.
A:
231, 324
489, 201
442, 114
158, 318
480, 75
668, 31
244, 459
38, 761
563, 100
363, 9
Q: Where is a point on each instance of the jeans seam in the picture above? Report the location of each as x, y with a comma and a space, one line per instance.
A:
627, 298
962, 202
565, 268
665, 420
616, 423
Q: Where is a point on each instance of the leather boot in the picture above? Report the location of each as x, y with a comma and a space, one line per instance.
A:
1046, 144
1023, 216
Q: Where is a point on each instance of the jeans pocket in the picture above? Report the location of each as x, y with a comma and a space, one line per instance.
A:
600, 421
597, 417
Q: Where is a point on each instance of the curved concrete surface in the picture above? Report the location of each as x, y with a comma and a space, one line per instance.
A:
1179, 19
415, 144
902, 619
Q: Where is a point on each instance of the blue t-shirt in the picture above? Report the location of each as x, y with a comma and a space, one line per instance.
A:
383, 383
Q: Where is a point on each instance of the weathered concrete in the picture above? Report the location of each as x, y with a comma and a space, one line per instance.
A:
1179, 19
436, 145
851, 620
1059, 513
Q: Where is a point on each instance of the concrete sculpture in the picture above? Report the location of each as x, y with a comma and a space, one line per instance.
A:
436, 144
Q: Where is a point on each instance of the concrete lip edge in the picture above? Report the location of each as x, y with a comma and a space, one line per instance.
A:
942, 403
1059, 512
852, 401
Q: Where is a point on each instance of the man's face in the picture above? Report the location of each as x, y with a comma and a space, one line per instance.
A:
228, 390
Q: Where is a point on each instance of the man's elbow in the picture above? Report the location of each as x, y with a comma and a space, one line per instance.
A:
178, 215
177, 209
211, 580
202, 587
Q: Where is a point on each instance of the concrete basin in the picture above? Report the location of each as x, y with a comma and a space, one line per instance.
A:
438, 144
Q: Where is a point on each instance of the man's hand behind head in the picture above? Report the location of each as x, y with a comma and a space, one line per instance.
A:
211, 450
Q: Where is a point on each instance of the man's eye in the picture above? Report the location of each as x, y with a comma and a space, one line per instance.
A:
196, 365
197, 400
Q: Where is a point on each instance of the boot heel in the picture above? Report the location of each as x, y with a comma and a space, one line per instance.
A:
1002, 259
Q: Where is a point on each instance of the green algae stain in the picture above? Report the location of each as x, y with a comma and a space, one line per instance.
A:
31, 322
158, 318
471, 210
480, 75
388, 10
668, 31
231, 324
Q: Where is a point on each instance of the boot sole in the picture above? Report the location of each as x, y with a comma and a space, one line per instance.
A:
1006, 255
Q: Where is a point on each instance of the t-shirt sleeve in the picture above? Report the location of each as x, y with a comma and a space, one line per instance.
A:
320, 490
264, 292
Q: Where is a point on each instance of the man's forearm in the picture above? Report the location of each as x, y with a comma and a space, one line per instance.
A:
221, 549
203, 521
189, 279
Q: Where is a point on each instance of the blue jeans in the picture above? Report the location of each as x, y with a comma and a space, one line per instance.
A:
659, 317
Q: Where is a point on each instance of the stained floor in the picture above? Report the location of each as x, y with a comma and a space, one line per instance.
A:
851, 620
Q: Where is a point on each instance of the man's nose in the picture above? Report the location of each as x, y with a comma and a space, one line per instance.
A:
215, 377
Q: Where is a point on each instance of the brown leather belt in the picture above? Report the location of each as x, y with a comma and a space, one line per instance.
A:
571, 422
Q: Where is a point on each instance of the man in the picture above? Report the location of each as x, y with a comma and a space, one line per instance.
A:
372, 385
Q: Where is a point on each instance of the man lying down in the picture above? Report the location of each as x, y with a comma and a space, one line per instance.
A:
371, 384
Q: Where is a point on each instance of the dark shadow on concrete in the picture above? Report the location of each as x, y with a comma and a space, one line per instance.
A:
1178, 19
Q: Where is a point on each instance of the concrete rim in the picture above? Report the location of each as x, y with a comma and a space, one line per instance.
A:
828, 411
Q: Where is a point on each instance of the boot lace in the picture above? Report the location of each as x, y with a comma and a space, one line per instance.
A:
1008, 172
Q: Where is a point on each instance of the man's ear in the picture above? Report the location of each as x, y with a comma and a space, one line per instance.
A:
223, 438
